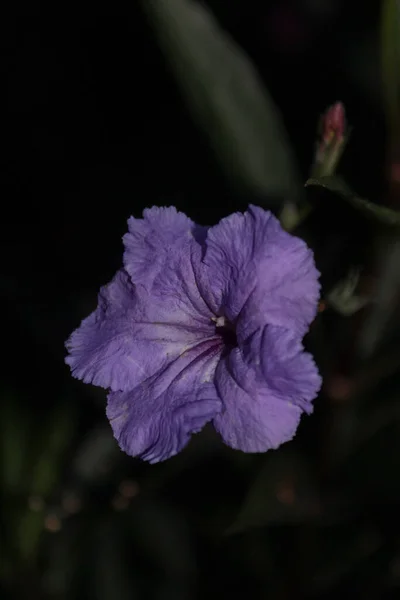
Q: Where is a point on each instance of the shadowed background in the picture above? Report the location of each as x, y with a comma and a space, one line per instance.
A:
96, 127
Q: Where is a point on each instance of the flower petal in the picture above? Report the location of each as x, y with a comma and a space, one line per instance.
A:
253, 264
155, 240
156, 419
263, 404
101, 349
284, 366
130, 336
151, 312
163, 252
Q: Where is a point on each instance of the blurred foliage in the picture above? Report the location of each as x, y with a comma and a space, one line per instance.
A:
226, 96
391, 60
97, 129
380, 215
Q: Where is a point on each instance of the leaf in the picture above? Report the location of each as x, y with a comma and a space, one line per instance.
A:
112, 577
344, 552
226, 97
65, 556
378, 321
380, 214
14, 443
282, 493
57, 434
343, 297
390, 41
161, 534
96, 456
28, 534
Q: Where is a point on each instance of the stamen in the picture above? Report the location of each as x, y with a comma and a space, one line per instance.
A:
226, 331
219, 321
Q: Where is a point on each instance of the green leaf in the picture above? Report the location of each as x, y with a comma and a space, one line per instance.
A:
111, 577
57, 434
226, 97
282, 493
390, 40
28, 534
378, 324
343, 297
379, 214
14, 443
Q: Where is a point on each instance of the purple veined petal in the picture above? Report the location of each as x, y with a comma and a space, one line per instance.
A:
156, 419
284, 365
131, 335
256, 267
151, 239
100, 349
163, 253
263, 403
157, 240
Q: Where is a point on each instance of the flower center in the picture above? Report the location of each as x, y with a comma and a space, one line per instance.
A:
226, 331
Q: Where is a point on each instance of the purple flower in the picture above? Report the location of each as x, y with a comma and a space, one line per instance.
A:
203, 324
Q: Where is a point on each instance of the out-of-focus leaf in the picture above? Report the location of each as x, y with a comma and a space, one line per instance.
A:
14, 443
29, 530
365, 430
45, 472
343, 297
366, 471
377, 322
361, 62
282, 493
97, 455
390, 41
386, 264
162, 536
202, 445
67, 554
226, 97
112, 578
55, 437
345, 550
380, 214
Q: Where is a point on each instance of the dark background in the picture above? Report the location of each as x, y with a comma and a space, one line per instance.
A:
93, 130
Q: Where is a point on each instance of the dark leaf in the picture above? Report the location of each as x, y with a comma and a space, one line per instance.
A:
226, 97
390, 40
282, 493
380, 214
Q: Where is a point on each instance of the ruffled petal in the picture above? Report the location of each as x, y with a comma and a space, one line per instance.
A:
264, 391
257, 267
131, 336
156, 239
151, 312
151, 239
163, 253
156, 419
101, 350
283, 365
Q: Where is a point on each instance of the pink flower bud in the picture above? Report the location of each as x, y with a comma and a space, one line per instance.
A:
333, 124
331, 140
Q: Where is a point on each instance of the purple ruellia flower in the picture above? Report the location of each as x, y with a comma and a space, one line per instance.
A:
203, 324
